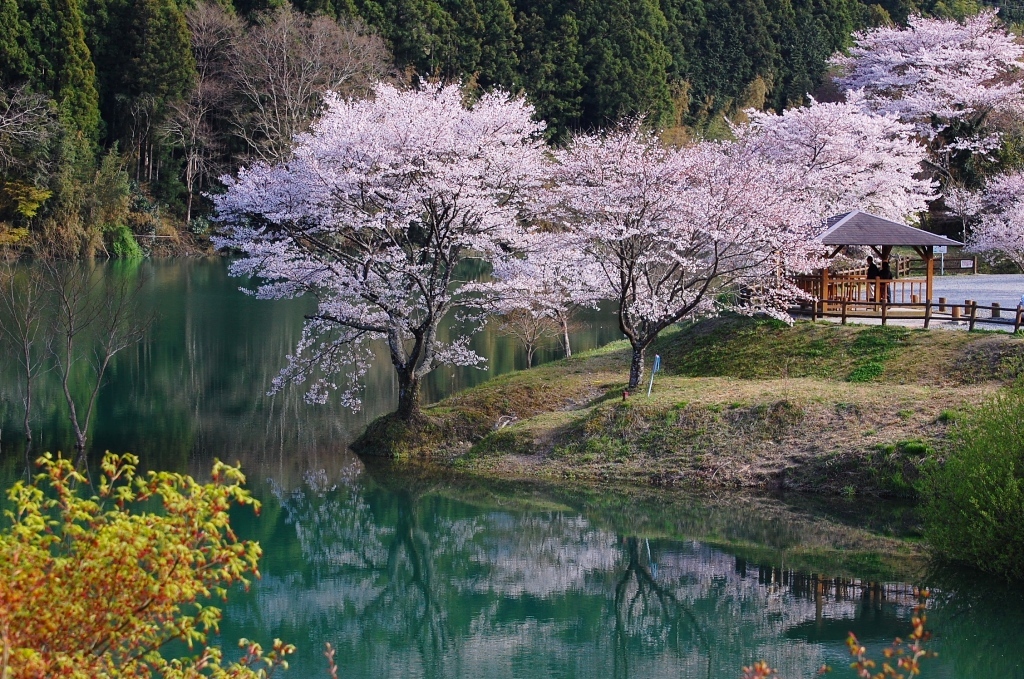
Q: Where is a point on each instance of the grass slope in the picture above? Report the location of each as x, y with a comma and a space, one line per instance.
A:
742, 403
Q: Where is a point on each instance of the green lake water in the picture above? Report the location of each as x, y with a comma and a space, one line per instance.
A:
421, 574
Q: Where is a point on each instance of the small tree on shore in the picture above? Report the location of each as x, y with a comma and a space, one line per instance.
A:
379, 205
553, 281
671, 229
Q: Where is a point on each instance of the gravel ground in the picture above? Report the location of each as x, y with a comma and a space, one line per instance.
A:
983, 288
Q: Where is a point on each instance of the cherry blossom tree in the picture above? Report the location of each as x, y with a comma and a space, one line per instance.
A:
942, 76
999, 231
671, 229
848, 158
553, 281
380, 203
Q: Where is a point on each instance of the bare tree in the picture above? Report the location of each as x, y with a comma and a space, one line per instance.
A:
283, 65
188, 127
529, 327
26, 122
191, 121
22, 323
95, 317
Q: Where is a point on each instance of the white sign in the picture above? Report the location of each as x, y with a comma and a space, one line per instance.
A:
940, 249
966, 263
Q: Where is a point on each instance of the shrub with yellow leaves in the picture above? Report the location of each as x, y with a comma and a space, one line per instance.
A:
99, 579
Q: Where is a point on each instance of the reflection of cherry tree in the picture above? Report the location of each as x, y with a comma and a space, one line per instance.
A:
423, 579
650, 612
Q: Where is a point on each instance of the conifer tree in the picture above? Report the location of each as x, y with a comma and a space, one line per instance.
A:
625, 62
500, 44
15, 66
551, 64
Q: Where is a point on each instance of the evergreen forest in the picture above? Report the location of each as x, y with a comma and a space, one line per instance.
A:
117, 116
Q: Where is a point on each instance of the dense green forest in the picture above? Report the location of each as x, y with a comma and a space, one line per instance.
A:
116, 115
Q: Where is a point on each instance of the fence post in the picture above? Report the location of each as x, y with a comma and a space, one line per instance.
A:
942, 305
843, 308
995, 310
927, 313
954, 312
884, 308
1020, 317
974, 315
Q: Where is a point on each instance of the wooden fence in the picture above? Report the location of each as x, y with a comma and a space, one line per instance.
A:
969, 312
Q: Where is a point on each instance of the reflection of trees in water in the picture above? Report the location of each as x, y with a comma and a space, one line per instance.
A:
405, 578
649, 612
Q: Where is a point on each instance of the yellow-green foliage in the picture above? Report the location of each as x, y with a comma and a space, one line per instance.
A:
975, 502
96, 585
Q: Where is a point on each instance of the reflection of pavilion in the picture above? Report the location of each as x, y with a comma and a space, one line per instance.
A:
857, 228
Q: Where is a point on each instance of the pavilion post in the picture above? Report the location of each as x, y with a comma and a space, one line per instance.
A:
929, 264
824, 290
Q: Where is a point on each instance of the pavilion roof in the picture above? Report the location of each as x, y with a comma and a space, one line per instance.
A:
863, 228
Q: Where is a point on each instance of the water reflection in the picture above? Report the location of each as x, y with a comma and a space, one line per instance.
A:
196, 386
432, 577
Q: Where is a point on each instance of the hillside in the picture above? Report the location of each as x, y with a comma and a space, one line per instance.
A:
743, 403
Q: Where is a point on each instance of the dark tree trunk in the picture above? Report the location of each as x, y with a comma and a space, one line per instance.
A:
408, 396
636, 366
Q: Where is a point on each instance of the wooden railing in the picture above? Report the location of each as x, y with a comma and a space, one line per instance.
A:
833, 289
969, 312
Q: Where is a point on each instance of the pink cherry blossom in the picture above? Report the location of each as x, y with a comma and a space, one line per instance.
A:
944, 77
848, 158
372, 214
671, 229
999, 231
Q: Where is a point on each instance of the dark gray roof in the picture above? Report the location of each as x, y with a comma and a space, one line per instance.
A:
862, 228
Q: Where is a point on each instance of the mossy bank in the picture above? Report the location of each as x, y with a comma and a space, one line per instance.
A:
817, 407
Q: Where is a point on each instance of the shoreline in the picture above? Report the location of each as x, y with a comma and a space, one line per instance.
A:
840, 411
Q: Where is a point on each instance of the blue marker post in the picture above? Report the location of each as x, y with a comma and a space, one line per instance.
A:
654, 370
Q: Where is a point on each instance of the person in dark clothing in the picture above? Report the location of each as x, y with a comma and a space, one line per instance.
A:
885, 276
873, 272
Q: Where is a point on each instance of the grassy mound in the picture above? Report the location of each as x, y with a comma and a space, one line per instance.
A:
742, 402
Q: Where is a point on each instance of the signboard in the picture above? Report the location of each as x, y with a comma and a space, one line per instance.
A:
966, 263
940, 249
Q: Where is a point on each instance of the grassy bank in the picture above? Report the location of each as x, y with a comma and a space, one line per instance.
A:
742, 403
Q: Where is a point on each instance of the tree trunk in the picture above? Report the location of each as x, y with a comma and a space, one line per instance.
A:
28, 409
565, 338
531, 349
636, 367
408, 396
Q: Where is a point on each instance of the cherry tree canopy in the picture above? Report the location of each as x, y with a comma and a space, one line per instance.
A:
942, 76
670, 229
999, 231
848, 158
378, 205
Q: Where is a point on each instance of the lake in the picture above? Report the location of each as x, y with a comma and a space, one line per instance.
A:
424, 574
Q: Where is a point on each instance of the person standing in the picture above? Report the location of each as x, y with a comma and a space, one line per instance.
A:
885, 280
873, 272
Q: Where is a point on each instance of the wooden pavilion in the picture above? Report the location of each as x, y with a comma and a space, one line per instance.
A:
881, 235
